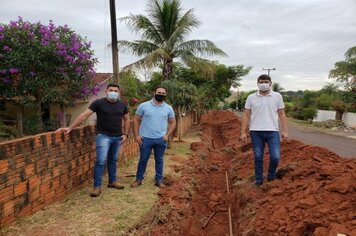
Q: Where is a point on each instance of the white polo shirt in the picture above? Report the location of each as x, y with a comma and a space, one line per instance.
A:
264, 110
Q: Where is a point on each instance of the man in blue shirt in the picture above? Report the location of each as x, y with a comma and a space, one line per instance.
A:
151, 132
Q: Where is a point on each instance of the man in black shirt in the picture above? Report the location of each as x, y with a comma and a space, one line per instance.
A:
109, 111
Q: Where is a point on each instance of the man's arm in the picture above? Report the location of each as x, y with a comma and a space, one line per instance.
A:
125, 135
136, 123
283, 119
245, 121
82, 117
172, 125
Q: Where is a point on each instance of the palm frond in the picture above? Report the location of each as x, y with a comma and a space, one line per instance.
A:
142, 24
138, 47
149, 61
199, 64
184, 26
200, 48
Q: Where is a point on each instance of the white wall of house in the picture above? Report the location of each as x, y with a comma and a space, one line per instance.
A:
81, 106
348, 118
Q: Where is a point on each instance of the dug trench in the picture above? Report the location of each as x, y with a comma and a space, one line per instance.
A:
314, 193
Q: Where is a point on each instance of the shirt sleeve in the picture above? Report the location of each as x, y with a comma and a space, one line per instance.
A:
248, 104
139, 110
126, 110
171, 113
94, 106
280, 103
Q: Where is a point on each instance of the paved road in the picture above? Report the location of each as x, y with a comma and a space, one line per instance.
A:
345, 147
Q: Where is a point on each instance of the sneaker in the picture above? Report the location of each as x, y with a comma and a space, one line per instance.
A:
160, 185
136, 183
116, 185
95, 192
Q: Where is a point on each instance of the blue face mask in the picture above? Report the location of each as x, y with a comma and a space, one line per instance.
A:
113, 96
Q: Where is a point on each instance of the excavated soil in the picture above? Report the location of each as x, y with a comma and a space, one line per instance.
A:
314, 193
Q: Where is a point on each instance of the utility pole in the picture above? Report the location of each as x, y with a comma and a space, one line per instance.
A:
269, 69
115, 58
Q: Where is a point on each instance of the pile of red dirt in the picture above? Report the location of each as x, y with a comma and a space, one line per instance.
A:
313, 195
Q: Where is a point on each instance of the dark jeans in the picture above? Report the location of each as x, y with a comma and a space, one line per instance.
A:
107, 148
159, 146
259, 139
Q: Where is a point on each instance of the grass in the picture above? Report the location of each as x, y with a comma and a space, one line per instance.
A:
114, 212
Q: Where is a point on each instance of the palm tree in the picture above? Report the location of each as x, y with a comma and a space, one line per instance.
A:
163, 34
277, 87
330, 88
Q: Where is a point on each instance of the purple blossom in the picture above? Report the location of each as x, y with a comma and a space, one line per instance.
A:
7, 48
2, 36
69, 58
6, 80
13, 70
3, 72
13, 24
2, 28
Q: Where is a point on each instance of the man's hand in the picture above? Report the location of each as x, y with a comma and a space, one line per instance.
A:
66, 130
243, 137
165, 138
285, 137
138, 139
123, 138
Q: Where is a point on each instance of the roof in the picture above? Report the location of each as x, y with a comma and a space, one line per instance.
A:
99, 78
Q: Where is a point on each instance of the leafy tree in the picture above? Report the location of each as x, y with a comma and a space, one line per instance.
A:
163, 34
182, 97
345, 71
44, 64
277, 87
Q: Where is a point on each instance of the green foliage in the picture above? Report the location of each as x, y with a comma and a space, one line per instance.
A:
31, 125
44, 63
345, 71
181, 95
7, 131
163, 33
329, 124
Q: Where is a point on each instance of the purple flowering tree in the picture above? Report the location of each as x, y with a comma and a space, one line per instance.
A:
44, 64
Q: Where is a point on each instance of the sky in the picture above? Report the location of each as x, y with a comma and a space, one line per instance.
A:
301, 39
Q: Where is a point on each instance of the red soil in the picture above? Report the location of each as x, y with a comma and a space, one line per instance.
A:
313, 195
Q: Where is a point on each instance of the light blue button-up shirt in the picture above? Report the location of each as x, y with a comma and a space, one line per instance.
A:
155, 118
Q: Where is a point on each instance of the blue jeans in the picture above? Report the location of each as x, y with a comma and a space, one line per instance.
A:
259, 139
107, 148
159, 146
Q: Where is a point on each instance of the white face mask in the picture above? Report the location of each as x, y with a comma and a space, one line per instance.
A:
113, 96
263, 86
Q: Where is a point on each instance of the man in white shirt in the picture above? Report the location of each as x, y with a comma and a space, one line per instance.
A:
263, 109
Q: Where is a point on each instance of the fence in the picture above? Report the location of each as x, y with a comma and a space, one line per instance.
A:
348, 118
38, 170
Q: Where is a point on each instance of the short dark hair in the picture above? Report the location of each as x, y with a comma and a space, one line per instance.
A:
160, 86
264, 77
113, 85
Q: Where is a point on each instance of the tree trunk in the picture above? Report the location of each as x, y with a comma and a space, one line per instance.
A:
39, 115
338, 115
167, 69
62, 117
19, 109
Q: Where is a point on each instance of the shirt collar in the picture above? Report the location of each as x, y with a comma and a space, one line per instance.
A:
154, 104
269, 94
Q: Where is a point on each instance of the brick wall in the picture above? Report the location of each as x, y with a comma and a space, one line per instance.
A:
38, 170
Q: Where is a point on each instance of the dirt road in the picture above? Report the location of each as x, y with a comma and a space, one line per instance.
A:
345, 147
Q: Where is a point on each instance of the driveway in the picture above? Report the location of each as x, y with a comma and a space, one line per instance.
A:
343, 146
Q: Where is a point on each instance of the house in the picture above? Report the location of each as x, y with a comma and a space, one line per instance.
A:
71, 112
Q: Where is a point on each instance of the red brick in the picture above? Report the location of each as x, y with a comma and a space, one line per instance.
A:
46, 177
9, 208
29, 170
6, 194
35, 181
20, 188
45, 188
26, 211
56, 183
38, 205
56, 171
4, 166
50, 197
7, 220
34, 194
